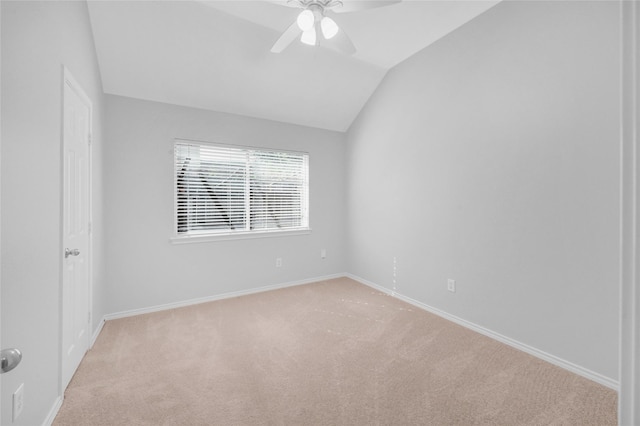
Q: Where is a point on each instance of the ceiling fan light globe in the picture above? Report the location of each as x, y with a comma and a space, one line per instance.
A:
309, 37
329, 27
306, 20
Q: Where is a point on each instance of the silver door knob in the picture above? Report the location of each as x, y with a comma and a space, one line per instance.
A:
10, 358
71, 252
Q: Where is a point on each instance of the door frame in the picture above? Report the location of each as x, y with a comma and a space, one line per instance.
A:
68, 79
629, 338
0, 202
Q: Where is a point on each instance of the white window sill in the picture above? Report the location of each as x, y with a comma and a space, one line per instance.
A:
206, 238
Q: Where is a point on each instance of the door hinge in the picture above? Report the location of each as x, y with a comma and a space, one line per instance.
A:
89, 138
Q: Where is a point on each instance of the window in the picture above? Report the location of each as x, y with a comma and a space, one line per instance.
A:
224, 190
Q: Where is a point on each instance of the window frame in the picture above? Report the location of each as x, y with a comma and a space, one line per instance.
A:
178, 238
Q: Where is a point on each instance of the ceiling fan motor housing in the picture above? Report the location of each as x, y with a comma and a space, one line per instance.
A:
319, 5
312, 21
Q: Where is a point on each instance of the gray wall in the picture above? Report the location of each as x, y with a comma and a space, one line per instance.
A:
37, 39
492, 158
144, 269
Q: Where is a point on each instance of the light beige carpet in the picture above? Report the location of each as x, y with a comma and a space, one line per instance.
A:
329, 353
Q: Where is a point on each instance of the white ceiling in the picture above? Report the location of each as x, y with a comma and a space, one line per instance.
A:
215, 55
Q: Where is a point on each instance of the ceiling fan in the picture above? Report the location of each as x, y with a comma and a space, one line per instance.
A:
313, 23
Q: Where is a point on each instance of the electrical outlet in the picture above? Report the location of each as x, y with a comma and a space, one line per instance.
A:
323, 253
18, 401
451, 285
278, 262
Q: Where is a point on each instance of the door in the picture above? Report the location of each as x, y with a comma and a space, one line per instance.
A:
76, 137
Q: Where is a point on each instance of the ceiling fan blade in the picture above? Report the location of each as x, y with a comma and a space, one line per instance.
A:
288, 3
286, 38
359, 5
342, 43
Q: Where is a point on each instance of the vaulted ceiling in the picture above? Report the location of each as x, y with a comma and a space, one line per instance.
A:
216, 55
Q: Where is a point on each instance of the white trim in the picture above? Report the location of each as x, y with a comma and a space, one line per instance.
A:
629, 364
232, 145
97, 332
190, 302
207, 238
72, 83
210, 236
55, 408
581, 371
591, 375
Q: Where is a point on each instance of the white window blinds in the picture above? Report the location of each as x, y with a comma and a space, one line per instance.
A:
226, 190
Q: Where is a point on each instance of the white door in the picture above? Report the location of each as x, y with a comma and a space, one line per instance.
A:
76, 191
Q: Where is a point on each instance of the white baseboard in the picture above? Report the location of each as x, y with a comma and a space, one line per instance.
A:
53, 412
584, 372
97, 332
58, 402
229, 295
